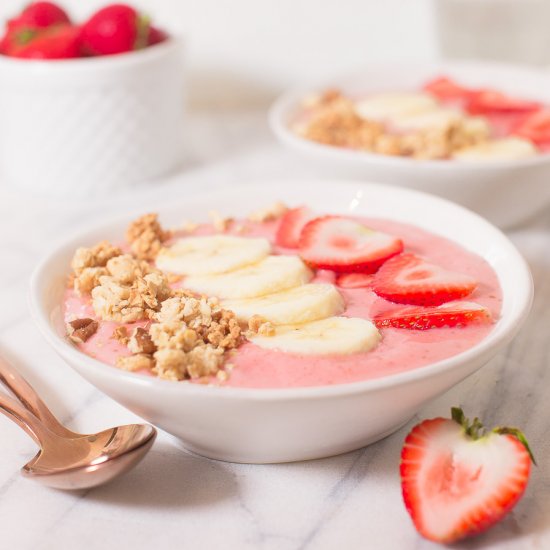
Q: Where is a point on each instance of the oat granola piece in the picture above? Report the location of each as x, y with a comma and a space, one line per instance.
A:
79, 330
170, 364
140, 342
219, 222
271, 212
121, 335
88, 265
146, 236
88, 279
204, 361
133, 290
136, 362
97, 256
173, 335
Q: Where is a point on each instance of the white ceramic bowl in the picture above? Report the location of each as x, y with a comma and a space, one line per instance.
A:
505, 192
279, 425
87, 127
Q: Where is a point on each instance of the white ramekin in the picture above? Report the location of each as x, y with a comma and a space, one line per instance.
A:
88, 127
280, 425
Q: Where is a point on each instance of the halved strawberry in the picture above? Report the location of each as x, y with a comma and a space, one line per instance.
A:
535, 128
452, 314
491, 101
409, 279
291, 225
458, 479
354, 280
447, 89
344, 245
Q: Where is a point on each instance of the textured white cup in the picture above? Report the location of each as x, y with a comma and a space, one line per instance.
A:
88, 127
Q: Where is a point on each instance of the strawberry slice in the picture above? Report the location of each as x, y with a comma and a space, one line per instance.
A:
446, 89
291, 225
459, 479
491, 101
409, 279
344, 245
354, 280
535, 128
453, 314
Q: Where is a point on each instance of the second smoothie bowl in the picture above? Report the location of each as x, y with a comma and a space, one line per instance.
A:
293, 325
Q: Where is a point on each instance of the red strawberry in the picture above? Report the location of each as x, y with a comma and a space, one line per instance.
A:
490, 101
155, 36
344, 245
458, 479
56, 42
291, 225
354, 280
42, 15
536, 127
409, 279
446, 89
114, 29
453, 314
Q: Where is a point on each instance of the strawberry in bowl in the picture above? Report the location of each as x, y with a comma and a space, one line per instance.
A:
43, 30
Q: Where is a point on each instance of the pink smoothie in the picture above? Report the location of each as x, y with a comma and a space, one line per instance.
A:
400, 349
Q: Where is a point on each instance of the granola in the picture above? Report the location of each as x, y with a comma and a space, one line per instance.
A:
332, 119
146, 236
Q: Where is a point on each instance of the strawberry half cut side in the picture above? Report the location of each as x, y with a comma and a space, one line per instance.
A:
291, 225
452, 314
458, 479
409, 279
345, 245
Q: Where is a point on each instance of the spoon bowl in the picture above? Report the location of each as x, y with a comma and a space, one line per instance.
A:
90, 460
69, 460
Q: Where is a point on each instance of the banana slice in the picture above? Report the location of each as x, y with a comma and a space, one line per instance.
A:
438, 119
393, 106
272, 274
498, 149
341, 335
212, 254
301, 304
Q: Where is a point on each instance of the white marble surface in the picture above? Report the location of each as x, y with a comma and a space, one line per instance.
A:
175, 500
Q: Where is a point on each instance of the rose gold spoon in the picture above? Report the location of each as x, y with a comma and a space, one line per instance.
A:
68, 460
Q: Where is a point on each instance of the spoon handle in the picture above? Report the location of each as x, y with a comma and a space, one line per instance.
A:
24, 419
24, 392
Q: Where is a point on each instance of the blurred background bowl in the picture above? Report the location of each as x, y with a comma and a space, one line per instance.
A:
505, 192
88, 127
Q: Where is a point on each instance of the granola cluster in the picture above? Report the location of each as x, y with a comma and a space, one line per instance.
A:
184, 335
189, 340
146, 236
332, 120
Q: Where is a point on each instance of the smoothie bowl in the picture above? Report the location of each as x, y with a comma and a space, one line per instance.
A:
272, 334
476, 133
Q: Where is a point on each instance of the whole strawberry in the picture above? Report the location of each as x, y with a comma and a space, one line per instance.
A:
42, 15
459, 479
117, 28
34, 19
56, 42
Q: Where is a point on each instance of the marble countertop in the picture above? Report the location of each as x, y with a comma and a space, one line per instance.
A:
177, 500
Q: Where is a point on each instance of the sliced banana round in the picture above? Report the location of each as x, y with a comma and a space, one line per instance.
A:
211, 254
394, 105
301, 304
272, 274
335, 335
497, 149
